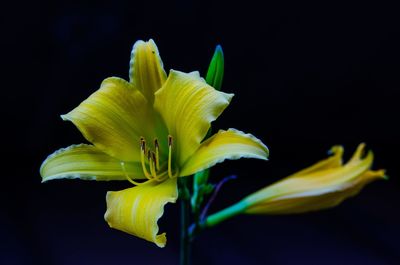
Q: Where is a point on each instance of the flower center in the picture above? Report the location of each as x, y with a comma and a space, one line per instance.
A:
150, 160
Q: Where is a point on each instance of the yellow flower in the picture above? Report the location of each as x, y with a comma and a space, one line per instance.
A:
150, 128
322, 185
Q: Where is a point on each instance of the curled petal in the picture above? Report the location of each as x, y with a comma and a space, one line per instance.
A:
188, 106
136, 210
88, 163
146, 68
113, 119
230, 144
333, 161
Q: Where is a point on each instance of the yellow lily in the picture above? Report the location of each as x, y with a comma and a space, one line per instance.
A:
150, 128
320, 186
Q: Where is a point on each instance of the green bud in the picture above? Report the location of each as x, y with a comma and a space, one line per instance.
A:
215, 73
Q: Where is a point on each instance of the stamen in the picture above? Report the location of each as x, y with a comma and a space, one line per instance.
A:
157, 154
148, 155
170, 156
129, 178
143, 144
142, 152
152, 167
154, 157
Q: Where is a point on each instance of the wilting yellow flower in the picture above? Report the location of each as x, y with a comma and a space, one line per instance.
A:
322, 185
149, 128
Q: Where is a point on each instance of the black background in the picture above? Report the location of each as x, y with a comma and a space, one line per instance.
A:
306, 76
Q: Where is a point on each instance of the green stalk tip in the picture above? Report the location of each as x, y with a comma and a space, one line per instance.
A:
215, 73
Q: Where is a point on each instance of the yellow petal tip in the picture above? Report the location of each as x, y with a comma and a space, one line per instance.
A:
161, 240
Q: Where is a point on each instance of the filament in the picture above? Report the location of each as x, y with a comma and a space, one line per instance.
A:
170, 156
157, 158
129, 178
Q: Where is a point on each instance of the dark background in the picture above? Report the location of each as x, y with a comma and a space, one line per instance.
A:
306, 76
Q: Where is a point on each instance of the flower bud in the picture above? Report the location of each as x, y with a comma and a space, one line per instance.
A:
215, 72
323, 185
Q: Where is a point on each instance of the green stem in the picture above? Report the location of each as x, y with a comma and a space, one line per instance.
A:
225, 214
185, 222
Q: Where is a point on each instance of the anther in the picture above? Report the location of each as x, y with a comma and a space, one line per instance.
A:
169, 140
148, 155
142, 144
142, 154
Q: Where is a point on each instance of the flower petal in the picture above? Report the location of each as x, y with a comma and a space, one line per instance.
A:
137, 210
188, 106
231, 144
146, 71
88, 163
113, 119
